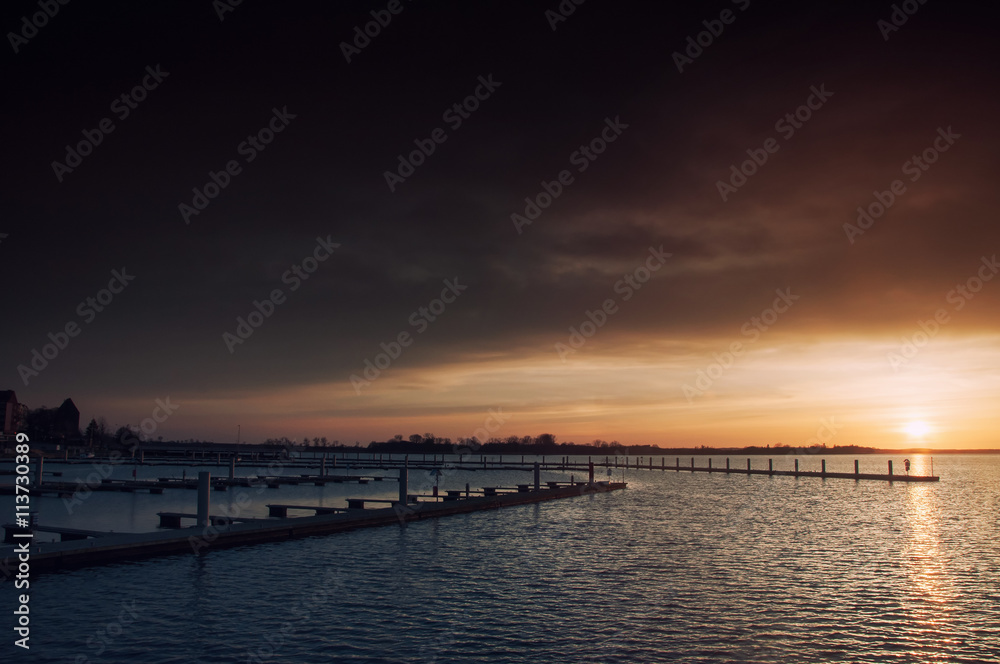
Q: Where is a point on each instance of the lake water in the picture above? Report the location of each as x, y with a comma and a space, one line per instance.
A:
679, 567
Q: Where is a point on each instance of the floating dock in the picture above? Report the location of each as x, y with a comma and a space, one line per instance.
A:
112, 548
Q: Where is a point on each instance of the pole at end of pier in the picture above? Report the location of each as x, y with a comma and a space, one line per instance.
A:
796, 465
748, 466
770, 465
890, 467
537, 475
404, 472
856, 467
590, 464
204, 484
823, 466
322, 465
232, 467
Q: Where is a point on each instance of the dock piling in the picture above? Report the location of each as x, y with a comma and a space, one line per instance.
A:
748, 466
823, 466
204, 484
856, 467
403, 480
890, 467
770, 466
232, 467
590, 479
537, 478
796, 467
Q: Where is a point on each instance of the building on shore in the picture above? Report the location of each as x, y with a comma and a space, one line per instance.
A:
13, 413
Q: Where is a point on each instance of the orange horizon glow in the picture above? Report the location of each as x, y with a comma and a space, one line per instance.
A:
838, 392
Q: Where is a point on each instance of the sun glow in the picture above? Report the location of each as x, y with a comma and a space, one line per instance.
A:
917, 429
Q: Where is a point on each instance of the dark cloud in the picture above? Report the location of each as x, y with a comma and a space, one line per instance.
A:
323, 177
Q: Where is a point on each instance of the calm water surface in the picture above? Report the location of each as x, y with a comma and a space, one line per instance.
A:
679, 567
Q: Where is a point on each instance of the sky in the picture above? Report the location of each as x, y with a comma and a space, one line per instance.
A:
726, 224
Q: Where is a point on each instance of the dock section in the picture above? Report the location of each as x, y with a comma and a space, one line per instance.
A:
111, 548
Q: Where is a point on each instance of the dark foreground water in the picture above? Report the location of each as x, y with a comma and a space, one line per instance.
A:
679, 567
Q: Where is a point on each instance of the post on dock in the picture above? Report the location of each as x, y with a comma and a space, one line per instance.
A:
692, 464
204, 484
466, 489
677, 467
590, 465
796, 467
322, 465
856, 467
41, 468
663, 464
890, 467
403, 480
709, 464
537, 475
232, 467
727, 464
770, 466
823, 466
748, 466
650, 463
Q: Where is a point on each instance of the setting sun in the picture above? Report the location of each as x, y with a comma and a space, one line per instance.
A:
917, 429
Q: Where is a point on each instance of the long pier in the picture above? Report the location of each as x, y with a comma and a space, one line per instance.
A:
822, 473
111, 548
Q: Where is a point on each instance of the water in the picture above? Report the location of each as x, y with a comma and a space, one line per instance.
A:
679, 567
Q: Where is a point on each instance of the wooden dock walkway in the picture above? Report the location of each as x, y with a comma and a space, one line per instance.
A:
112, 548
822, 473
